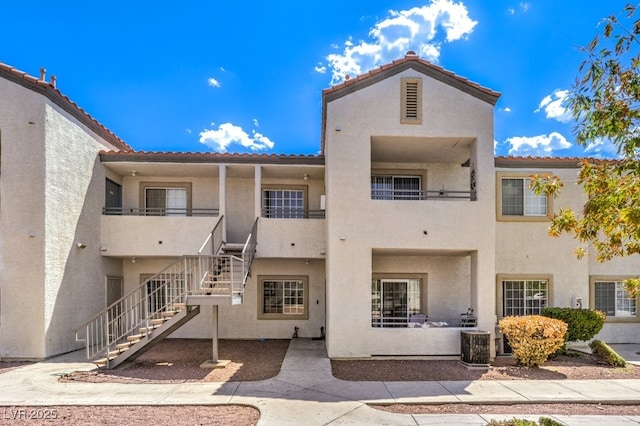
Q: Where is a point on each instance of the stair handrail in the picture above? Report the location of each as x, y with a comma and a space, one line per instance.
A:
249, 250
128, 309
215, 237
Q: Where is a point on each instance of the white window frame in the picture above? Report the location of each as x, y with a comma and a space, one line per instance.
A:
286, 206
621, 300
530, 213
290, 288
533, 296
384, 307
384, 187
181, 209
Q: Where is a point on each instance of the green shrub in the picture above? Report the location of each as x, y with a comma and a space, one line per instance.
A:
543, 421
513, 422
583, 324
604, 354
546, 421
533, 337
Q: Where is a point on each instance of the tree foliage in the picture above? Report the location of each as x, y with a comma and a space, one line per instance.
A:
605, 103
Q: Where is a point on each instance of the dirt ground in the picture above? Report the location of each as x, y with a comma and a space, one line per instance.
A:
178, 360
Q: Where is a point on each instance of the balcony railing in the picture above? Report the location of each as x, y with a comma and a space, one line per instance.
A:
289, 213
156, 211
414, 194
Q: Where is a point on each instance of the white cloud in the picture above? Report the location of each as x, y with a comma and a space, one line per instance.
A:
505, 109
228, 134
213, 82
421, 29
603, 148
554, 106
511, 11
188, 131
525, 6
320, 68
537, 146
256, 122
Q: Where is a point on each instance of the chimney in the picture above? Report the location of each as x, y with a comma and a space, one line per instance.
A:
53, 81
410, 53
43, 74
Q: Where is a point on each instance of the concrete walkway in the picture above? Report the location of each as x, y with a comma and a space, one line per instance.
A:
305, 393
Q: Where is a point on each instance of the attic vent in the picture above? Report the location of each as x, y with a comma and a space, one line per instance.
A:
411, 101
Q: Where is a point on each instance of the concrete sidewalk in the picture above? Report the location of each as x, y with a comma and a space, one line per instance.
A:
305, 393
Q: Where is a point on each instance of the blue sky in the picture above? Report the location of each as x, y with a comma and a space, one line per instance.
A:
248, 76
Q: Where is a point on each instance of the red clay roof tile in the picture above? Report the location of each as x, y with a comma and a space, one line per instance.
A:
50, 91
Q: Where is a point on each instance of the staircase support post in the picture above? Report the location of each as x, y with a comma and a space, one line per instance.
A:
214, 349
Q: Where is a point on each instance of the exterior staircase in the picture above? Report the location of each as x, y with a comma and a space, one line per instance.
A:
167, 300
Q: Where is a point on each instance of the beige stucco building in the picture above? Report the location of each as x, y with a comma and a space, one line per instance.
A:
406, 217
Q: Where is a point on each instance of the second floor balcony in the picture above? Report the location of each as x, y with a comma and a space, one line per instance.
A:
159, 211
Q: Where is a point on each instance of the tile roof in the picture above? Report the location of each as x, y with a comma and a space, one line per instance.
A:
556, 162
49, 90
411, 58
208, 157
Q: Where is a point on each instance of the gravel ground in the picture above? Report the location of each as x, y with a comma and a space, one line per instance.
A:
515, 409
178, 360
578, 367
227, 415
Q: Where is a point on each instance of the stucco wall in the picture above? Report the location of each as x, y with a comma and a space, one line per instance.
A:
240, 321
74, 192
356, 224
526, 249
22, 182
52, 191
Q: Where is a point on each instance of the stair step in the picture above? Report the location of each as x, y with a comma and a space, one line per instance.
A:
168, 314
103, 361
158, 321
146, 330
134, 338
179, 306
122, 346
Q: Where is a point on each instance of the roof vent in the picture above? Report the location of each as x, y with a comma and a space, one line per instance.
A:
43, 74
53, 81
347, 77
410, 53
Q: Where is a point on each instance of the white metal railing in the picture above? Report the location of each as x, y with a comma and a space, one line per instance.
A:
415, 194
249, 250
214, 240
159, 211
202, 274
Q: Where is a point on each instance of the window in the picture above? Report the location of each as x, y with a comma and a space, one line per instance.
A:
115, 290
284, 203
395, 188
166, 199
156, 297
524, 297
411, 101
611, 297
113, 197
394, 301
519, 202
283, 298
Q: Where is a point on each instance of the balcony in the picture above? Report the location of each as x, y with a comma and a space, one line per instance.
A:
292, 237
415, 194
158, 211
289, 213
155, 232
